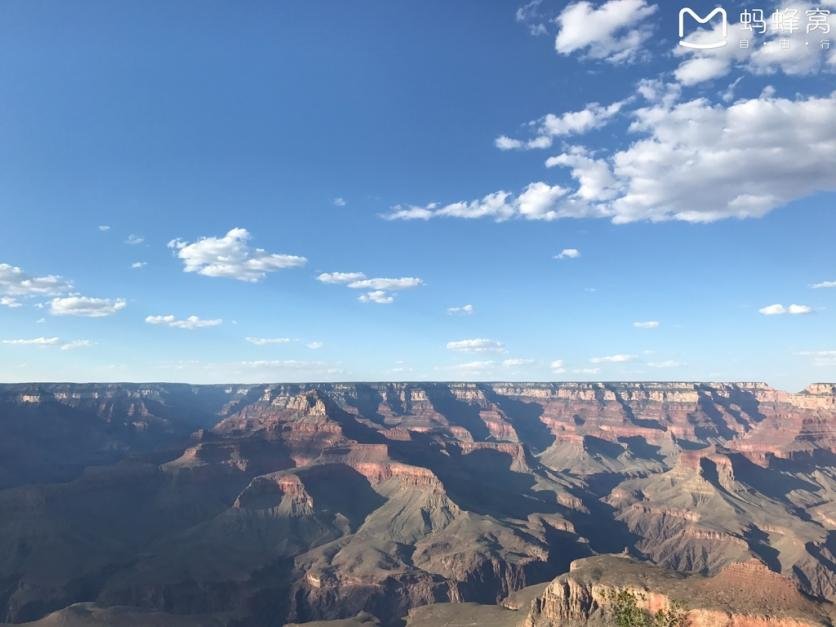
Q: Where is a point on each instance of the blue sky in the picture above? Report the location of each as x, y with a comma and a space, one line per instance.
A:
242, 155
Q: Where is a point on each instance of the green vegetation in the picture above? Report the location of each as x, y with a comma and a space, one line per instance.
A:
625, 611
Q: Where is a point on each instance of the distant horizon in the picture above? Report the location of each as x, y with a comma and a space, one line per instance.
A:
739, 382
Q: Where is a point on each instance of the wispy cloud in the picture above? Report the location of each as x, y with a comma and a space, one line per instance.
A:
190, 323
613, 359
104, 228
476, 345
138, 265
464, 310
339, 201
46, 342
647, 324
823, 285
267, 341
134, 240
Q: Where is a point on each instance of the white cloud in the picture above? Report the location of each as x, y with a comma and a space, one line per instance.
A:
138, 265
549, 127
35, 341
529, 15
515, 362
694, 161
669, 363
821, 357
476, 345
190, 323
377, 296
134, 240
586, 370
464, 310
75, 344
315, 345
15, 282
702, 162
568, 253
557, 366
612, 32
11, 303
86, 306
379, 288
613, 359
764, 55
104, 228
340, 202
647, 324
340, 277
779, 310
823, 285
386, 284
231, 257
266, 341
538, 201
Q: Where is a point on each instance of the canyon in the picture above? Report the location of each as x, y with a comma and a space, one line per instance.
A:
415, 503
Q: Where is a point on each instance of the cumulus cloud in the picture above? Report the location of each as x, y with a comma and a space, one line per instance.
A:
379, 287
694, 161
613, 359
11, 303
476, 345
266, 341
231, 257
702, 162
138, 265
464, 310
134, 240
779, 310
776, 50
104, 228
15, 282
568, 253
586, 370
557, 366
190, 323
86, 306
551, 126
377, 296
823, 285
340, 277
613, 32
340, 201
647, 324
315, 345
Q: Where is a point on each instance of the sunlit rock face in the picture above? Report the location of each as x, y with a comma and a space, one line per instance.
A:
271, 504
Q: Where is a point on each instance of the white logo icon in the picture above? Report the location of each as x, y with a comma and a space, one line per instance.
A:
699, 45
